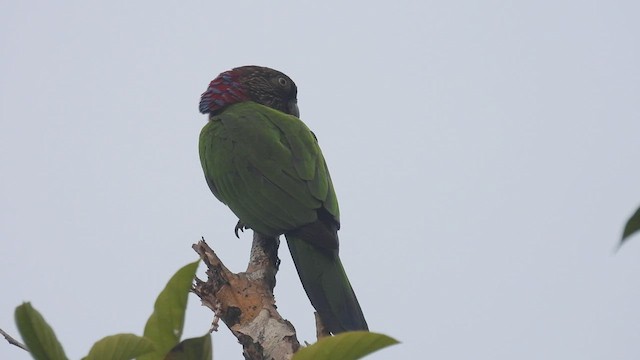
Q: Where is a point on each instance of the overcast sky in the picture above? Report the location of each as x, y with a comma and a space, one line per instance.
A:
485, 156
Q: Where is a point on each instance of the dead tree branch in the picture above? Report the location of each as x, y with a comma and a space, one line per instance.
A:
245, 301
13, 341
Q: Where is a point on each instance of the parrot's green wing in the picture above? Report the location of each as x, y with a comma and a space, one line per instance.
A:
268, 168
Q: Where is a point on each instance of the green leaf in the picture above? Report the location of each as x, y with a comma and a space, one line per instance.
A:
632, 226
120, 347
164, 327
37, 335
346, 346
192, 349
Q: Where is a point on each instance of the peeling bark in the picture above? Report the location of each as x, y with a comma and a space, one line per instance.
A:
245, 301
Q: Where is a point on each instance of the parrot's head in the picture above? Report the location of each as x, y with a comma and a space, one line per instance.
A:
251, 83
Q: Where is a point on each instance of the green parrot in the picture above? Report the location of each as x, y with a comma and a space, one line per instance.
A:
265, 164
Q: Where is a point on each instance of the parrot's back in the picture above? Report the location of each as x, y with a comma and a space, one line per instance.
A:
268, 168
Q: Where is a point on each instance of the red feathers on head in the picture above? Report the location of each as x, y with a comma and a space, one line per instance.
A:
224, 90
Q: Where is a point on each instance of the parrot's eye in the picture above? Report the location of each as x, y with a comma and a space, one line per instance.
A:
282, 81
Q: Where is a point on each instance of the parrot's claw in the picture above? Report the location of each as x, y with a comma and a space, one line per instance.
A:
239, 226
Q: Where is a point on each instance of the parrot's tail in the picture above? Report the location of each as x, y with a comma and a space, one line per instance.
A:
327, 285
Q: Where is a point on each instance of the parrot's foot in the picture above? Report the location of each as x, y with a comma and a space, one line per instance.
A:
239, 226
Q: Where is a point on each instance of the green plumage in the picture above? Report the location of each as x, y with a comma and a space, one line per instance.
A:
268, 168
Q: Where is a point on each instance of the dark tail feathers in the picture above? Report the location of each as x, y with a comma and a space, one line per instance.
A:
326, 284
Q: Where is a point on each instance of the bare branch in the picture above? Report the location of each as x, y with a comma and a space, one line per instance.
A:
321, 330
245, 301
13, 341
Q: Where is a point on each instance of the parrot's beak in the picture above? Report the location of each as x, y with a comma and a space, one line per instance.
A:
293, 108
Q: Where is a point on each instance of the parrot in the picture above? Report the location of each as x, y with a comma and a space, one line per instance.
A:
264, 163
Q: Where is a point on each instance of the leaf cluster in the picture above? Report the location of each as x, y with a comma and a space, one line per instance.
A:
160, 341
163, 331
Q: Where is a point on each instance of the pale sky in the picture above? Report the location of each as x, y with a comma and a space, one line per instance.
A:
484, 154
